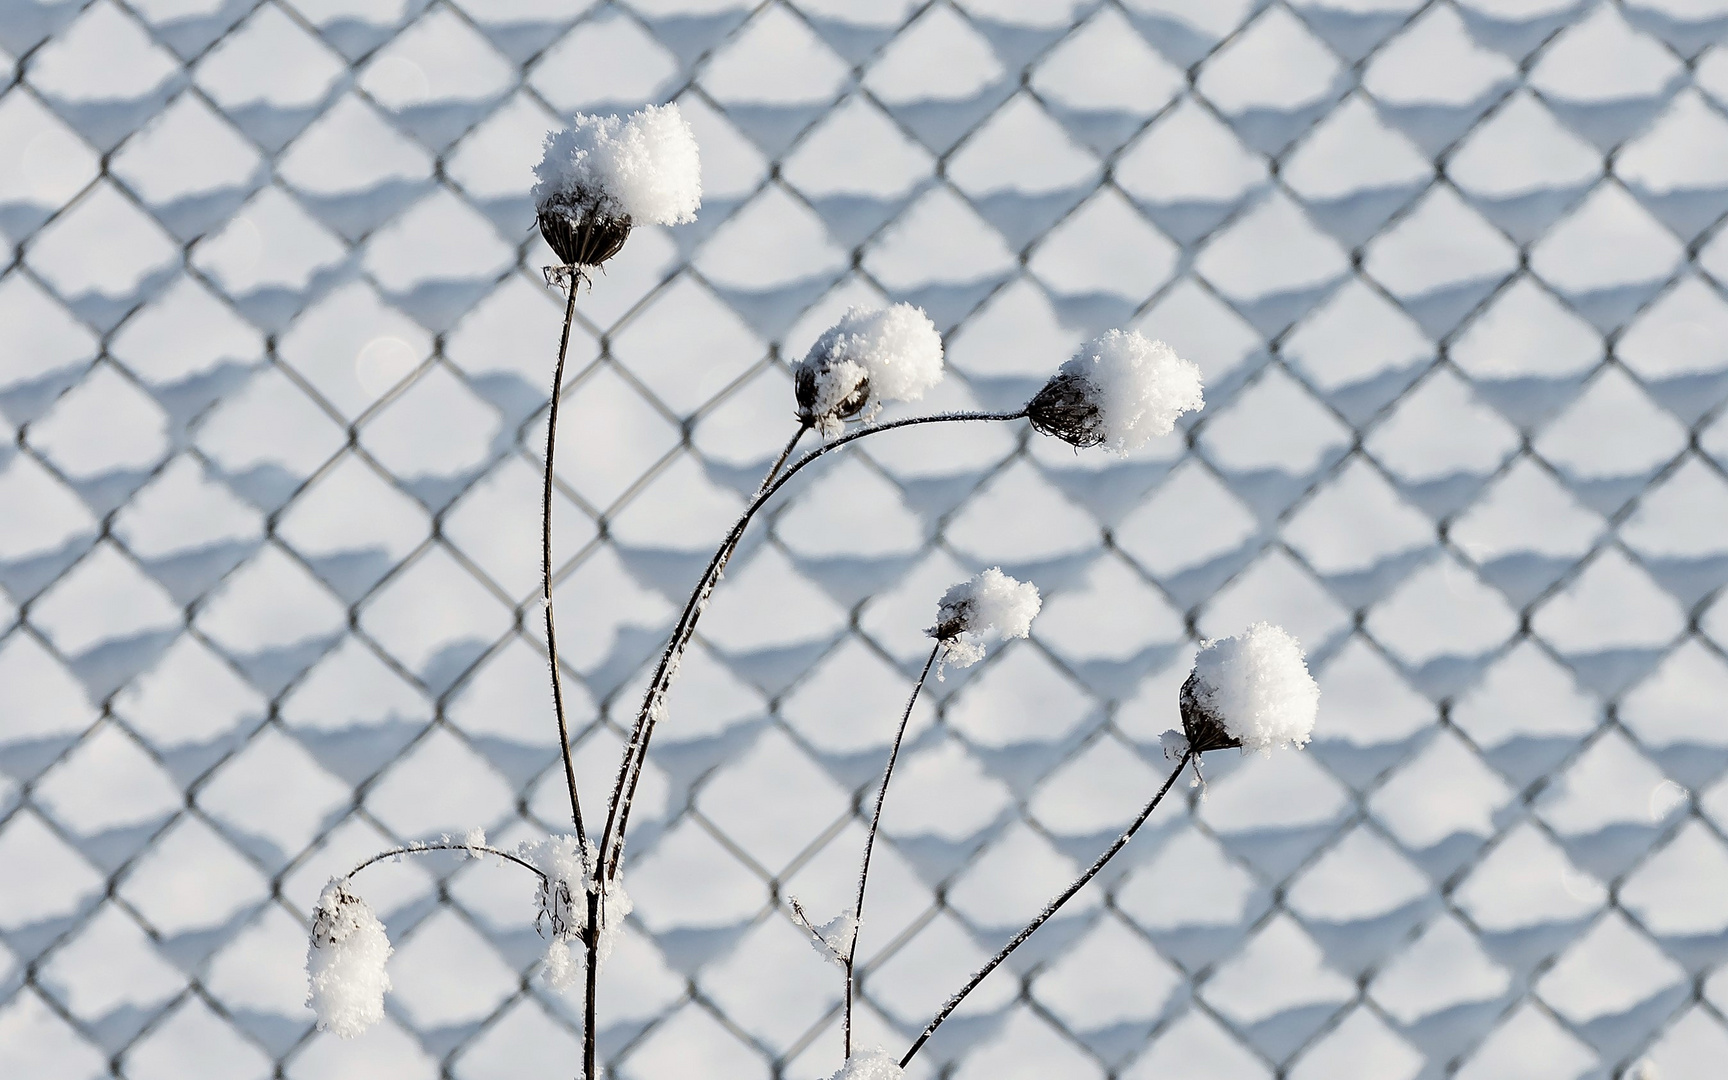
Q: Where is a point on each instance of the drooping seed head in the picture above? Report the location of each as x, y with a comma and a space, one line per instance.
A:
990, 605
1251, 691
1120, 391
868, 358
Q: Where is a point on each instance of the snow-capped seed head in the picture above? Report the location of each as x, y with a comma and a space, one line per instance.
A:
1120, 391
1252, 691
604, 174
345, 976
872, 1064
866, 359
988, 605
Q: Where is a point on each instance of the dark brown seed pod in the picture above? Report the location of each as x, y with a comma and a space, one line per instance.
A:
1066, 408
1204, 728
804, 385
579, 232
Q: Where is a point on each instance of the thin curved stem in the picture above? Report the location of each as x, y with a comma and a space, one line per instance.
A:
851, 958
417, 849
618, 810
1050, 909
546, 566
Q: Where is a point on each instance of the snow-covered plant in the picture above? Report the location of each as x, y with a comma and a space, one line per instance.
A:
990, 605
1120, 391
866, 359
345, 959
597, 179
603, 175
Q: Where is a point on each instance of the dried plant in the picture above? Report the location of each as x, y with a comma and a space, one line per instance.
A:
598, 179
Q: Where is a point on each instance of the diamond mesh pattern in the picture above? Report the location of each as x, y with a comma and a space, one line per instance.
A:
273, 381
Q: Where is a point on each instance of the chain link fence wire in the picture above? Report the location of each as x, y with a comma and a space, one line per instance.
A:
274, 354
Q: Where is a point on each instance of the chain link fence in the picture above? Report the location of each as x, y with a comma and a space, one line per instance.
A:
273, 359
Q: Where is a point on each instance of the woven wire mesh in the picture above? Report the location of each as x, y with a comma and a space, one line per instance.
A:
273, 358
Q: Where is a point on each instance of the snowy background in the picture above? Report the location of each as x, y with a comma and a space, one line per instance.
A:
273, 351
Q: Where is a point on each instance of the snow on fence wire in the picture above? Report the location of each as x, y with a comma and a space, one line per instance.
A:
273, 357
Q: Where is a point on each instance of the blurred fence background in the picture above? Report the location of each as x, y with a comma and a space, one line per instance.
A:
273, 352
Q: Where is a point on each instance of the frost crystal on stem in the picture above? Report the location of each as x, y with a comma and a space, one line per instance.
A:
345, 973
603, 175
1120, 391
866, 359
1252, 691
563, 903
989, 605
874, 1064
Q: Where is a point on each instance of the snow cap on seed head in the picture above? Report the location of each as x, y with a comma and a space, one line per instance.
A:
1120, 391
563, 899
869, 357
345, 974
988, 605
603, 174
1252, 691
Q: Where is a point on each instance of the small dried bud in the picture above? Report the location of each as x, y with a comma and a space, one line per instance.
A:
990, 604
1251, 691
866, 359
1120, 391
345, 972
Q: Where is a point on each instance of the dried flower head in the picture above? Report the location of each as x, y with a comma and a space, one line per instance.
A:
989, 605
1251, 691
1120, 391
345, 975
603, 175
867, 358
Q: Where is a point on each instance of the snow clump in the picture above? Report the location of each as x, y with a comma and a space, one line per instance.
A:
345, 973
1252, 691
1120, 391
873, 1064
867, 358
989, 605
563, 901
644, 166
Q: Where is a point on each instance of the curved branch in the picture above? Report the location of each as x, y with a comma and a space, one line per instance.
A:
416, 849
629, 770
1050, 909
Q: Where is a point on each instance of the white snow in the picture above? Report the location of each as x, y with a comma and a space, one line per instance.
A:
872, 1064
836, 937
1175, 745
564, 904
474, 840
1257, 685
644, 166
989, 605
895, 350
345, 974
1139, 386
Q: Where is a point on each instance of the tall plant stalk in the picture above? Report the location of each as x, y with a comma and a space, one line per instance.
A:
1050, 909
546, 561
851, 958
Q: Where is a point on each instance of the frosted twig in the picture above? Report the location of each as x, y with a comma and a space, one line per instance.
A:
635, 752
470, 849
851, 958
1050, 909
820, 939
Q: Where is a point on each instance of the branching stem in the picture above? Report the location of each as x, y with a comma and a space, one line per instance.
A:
635, 752
1050, 909
850, 960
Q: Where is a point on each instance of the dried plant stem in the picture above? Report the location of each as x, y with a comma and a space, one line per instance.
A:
417, 849
1050, 909
851, 958
635, 752
546, 563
